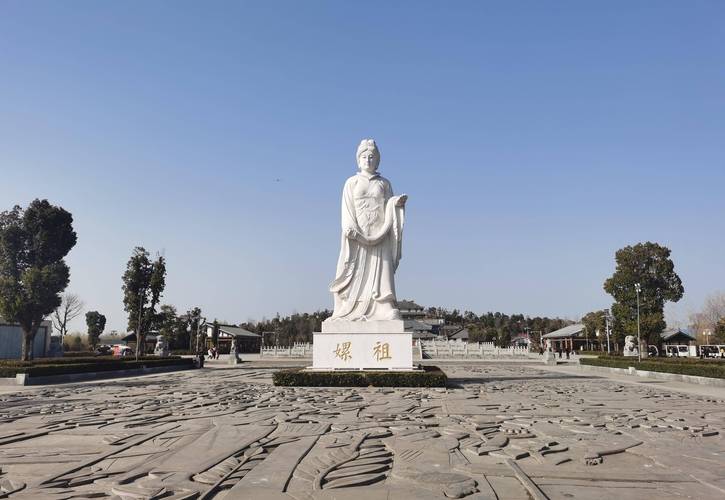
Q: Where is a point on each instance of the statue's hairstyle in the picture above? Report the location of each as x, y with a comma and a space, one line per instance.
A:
367, 145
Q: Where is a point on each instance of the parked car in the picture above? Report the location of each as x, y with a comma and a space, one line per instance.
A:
122, 350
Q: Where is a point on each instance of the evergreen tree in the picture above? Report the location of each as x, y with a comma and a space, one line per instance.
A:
649, 265
96, 323
143, 283
33, 272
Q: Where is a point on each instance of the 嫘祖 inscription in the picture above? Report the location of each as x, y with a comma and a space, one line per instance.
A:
342, 351
381, 351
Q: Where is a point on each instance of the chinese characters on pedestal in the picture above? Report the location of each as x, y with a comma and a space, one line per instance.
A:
381, 351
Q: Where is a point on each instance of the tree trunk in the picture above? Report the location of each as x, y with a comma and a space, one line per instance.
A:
26, 353
140, 345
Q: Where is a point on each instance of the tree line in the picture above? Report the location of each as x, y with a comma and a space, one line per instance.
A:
287, 330
498, 327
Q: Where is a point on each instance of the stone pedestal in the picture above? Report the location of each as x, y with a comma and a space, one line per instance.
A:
362, 345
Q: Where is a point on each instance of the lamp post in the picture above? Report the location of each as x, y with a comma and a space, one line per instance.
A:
638, 289
199, 325
706, 333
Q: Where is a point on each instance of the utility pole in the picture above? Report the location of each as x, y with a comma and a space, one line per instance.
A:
606, 323
141, 297
200, 323
638, 289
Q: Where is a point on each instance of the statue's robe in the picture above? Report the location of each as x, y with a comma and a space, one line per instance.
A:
365, 271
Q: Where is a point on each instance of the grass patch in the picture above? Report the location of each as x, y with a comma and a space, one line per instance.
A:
682, 366
60, 366
429, 376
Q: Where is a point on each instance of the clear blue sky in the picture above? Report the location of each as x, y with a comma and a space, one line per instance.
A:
533, 138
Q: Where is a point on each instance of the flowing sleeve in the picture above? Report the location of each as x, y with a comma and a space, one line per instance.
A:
397, 233
349, 220
348, 248
397, 216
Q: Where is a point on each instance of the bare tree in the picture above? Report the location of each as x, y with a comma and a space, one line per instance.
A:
713, 311
70, 307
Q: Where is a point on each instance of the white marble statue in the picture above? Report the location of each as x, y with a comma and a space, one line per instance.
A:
372, 232
630, 346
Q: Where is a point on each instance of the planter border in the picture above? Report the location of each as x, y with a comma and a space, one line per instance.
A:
426, 376
24, 379
671, 377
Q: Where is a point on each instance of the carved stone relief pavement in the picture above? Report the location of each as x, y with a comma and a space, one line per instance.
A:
503, 431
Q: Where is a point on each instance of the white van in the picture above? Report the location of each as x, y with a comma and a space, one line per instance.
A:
713, 350
681, 351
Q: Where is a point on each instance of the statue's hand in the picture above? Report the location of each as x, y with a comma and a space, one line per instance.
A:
350, 233
401, 201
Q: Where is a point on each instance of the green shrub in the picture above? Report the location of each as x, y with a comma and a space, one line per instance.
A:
430, 376
682, 366
46, 367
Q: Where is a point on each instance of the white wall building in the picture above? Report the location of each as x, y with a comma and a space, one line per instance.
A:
11, 340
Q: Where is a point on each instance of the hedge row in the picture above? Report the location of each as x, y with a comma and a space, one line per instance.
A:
683, 361
78, 354
70, 360
430, 376
8, 369
694, 367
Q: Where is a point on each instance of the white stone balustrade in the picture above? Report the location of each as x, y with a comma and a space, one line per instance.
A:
457, 349
297, 350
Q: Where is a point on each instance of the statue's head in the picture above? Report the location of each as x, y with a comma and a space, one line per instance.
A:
368, 156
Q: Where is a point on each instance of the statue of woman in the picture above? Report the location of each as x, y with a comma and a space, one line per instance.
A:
372, 232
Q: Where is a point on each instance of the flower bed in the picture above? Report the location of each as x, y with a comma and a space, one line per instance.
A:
686, 366
429, 376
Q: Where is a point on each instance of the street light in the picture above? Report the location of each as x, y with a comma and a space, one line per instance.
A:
706, 333
638, 289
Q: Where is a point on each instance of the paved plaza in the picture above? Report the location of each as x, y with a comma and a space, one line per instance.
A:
501, 431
